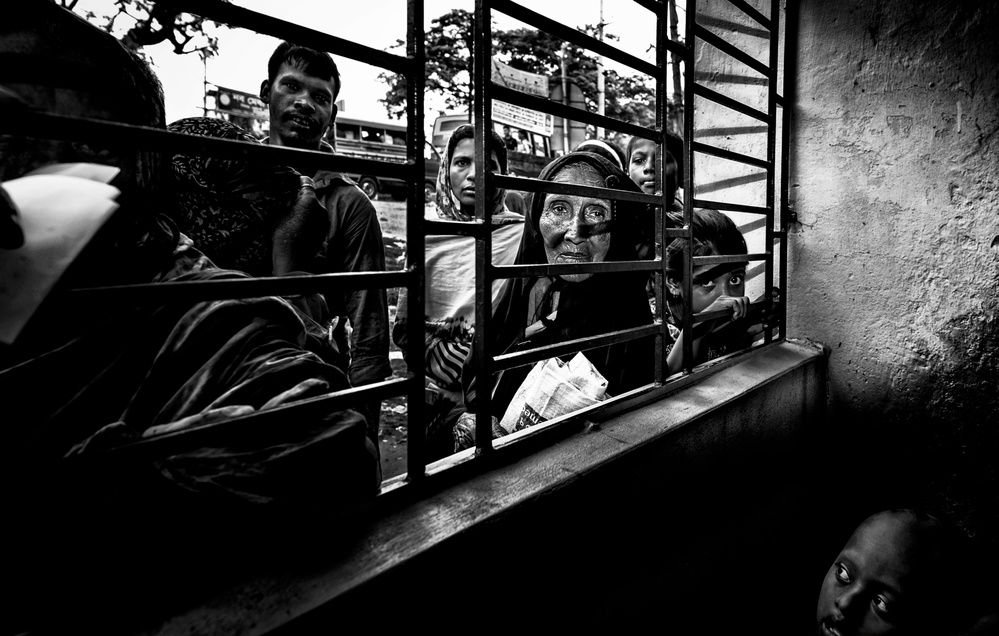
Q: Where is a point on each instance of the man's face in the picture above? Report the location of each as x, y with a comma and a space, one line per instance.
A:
301, 107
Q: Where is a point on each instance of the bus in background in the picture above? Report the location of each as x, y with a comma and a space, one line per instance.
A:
383, 142
528, 151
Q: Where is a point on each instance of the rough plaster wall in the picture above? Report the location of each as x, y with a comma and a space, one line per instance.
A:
895, 262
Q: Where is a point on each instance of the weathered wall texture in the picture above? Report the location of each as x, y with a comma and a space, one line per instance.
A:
895, 262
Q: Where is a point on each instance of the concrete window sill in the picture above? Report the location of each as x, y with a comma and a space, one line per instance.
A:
412, 541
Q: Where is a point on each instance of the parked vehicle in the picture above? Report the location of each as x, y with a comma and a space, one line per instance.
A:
385, 142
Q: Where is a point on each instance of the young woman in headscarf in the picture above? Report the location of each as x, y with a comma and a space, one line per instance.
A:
450, 277
539, 311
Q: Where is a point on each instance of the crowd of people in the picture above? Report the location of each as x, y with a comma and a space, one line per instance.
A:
115, 376
191, 216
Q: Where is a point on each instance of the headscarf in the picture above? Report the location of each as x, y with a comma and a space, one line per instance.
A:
228, 207
448, 206
607, 149
450, 270
599, 304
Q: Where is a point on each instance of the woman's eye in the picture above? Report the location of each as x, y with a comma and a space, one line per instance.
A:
596, 215
881, 605
705, 284
558, 208
736, 279
842, 574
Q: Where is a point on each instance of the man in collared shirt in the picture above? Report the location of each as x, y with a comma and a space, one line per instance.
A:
300, 91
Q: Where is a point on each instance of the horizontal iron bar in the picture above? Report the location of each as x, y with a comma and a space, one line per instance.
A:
204, 290
731, 182
731, 130
735, 105
233, 15
498, 92
705, 316
732, 50
116, 135
520, 358
540, 185
546, 269
708, 20
656, 7
708, 149
731, 207
276, 419
578, 38
755, 224
731, 258
729, 78
753, 13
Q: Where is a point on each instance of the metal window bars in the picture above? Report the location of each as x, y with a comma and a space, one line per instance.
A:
489, 362
411, 67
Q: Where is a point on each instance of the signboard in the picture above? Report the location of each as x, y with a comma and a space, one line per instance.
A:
523, 118
530, 83
518, 116
239, 103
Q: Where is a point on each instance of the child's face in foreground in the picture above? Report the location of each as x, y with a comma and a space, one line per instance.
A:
865, 590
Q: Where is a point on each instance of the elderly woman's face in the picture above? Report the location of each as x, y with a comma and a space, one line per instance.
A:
575, 229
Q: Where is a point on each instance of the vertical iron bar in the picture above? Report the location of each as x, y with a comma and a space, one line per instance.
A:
416, 420
790, 69
481, 72
768, 279
688, 186
662, 123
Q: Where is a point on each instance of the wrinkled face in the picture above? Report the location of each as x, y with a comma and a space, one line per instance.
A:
644, 171
710, 282
864, 591
576, 229
300, 105
462, 171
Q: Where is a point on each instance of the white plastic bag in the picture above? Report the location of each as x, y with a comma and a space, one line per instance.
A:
554, 388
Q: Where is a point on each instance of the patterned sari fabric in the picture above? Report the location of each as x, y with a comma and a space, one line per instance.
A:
228, 207
139, 373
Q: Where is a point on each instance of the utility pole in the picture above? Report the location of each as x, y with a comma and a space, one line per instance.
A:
600, 73
565, 97
204, 91
677, 95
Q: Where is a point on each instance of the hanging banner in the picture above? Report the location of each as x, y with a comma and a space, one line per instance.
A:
518, 116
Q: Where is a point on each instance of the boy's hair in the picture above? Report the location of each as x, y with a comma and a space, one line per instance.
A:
714, 234
313, 62
674, 146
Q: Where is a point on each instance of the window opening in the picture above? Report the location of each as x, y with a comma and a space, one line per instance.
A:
365, 150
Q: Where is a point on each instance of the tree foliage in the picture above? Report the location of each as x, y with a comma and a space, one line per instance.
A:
449, 69
154, 23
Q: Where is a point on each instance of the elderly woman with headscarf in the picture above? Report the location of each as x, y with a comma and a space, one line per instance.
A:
537, 311
450, 274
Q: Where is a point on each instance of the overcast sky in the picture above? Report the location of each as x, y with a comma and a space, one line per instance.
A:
242, 60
